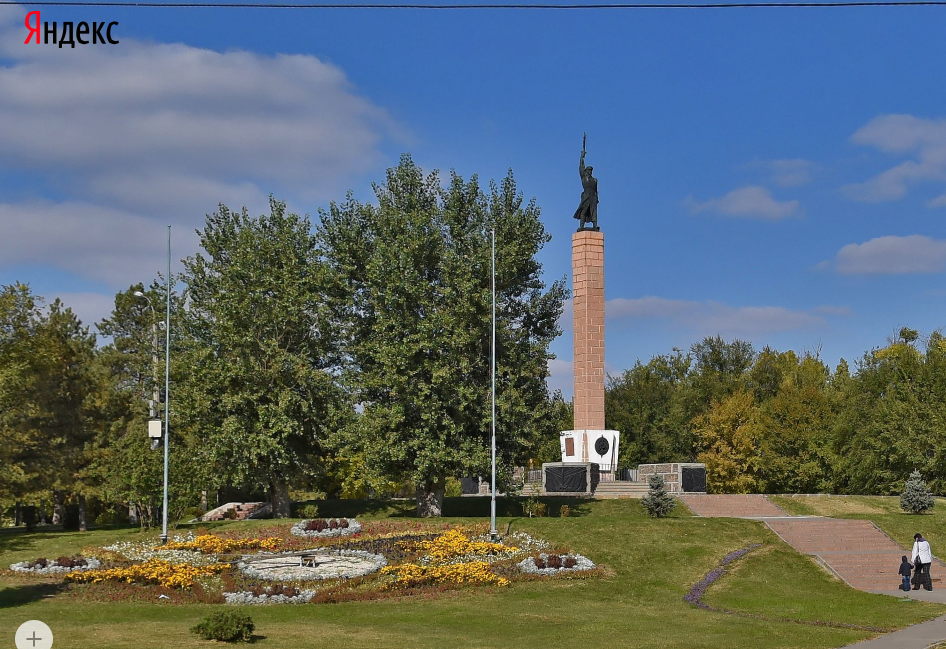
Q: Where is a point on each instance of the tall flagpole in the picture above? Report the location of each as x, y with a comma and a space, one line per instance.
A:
492, 506
167, 394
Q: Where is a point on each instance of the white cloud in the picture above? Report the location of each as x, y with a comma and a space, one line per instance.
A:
787, 172
98, 243
892, 255
939, 201
747, 202
136, 136
711, 317
924, 139
561, 376
90, 308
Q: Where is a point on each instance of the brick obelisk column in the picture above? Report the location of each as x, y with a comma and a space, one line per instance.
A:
588, 304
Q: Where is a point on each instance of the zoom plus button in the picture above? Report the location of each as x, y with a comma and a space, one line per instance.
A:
34, 635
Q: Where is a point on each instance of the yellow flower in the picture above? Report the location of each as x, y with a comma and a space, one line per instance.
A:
210, 544
409, 574
453, 543
152, 571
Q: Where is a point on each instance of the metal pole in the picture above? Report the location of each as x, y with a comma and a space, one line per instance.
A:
492, 506
167, 396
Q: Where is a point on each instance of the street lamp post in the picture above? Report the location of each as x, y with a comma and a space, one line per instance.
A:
167, 395
167, 382
494, 535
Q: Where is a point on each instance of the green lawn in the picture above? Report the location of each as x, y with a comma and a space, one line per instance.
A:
654, 563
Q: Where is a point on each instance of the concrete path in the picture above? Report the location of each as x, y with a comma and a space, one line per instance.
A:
918, 636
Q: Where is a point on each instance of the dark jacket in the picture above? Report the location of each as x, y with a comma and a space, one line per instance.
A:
905, 567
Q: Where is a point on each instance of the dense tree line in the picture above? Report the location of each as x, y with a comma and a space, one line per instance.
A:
780, 422
350, 355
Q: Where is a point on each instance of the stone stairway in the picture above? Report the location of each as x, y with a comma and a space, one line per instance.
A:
732, 506
532, 489
621, 489
855, 550
243, 511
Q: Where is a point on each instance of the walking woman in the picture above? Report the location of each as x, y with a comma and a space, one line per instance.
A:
922, 558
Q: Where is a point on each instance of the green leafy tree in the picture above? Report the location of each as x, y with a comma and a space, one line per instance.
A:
643, 403
21, 449
891, 420
916, 498
45, 364
796, 417
129, 371
413, 307
260, 390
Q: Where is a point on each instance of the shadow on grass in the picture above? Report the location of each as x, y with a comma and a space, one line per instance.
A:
15, 538
13, 596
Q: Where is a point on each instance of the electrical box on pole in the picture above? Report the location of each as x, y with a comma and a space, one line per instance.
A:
154, 433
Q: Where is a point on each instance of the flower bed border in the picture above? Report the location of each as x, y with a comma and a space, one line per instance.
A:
582, 563
91, 564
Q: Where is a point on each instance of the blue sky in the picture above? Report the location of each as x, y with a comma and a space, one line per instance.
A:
777, 175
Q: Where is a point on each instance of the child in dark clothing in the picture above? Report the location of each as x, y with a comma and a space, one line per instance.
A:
905, 568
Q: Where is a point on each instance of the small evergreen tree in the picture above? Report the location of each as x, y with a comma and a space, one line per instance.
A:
916, 498
658, 502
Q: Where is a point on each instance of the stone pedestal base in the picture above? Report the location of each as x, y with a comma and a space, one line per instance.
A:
569, 478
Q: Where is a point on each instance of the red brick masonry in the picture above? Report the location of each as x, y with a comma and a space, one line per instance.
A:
588, 304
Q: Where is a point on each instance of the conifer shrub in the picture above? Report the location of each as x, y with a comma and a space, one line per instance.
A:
916, 498
658, 502
225, 626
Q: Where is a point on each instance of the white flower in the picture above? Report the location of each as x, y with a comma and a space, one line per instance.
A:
247, 597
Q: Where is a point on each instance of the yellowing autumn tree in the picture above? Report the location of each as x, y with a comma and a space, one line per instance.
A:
730, 436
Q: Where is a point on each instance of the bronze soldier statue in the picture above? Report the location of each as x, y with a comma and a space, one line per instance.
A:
587, 211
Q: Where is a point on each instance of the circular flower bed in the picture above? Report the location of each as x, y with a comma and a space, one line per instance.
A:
325, 564
551, 564
277, 594
62, 564
320, 528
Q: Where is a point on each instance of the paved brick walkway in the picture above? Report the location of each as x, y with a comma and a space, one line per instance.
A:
855, 550
732, 506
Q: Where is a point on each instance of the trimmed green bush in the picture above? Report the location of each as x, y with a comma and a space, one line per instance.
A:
658, 502
225, 626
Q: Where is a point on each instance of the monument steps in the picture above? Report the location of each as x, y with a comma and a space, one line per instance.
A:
621, 489
242, 511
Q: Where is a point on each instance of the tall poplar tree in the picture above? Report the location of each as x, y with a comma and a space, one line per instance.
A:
260, 390
412, 303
